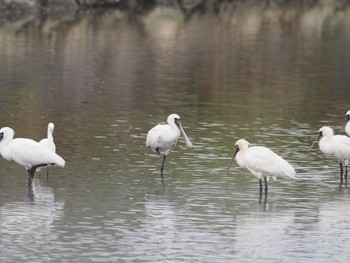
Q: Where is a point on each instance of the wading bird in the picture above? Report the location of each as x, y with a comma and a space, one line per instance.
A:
261, 162
347, 125
48, 142
26, 152
162, 137
337, 146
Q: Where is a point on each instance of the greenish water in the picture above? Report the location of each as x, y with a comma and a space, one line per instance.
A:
270, 76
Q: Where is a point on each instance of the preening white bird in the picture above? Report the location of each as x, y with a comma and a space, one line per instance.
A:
26, 152
337, 146
347, 125
163, 137
261, 162
48, 142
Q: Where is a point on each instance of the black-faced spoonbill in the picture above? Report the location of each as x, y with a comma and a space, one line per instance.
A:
162, 137
347, 125
26, 152
48, 142
261, 162
337, 146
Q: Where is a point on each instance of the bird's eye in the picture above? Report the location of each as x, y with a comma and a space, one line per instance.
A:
1, 135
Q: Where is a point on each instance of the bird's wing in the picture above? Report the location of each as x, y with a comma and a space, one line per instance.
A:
341, 140
48, 144
28, 153
44, 142
262, 159
342, 146
155, 136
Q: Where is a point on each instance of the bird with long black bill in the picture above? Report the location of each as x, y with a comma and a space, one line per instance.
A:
337, 146
163, 137
261, 162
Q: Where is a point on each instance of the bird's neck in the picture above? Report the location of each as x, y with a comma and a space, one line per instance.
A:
49, 136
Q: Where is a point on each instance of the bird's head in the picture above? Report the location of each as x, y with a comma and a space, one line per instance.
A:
6, 133
51, 127
174, 118
347, 116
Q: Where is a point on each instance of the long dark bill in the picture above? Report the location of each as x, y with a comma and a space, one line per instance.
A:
317, 138
233, 157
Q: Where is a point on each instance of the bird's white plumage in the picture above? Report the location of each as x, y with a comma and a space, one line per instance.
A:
347, 125
26, 152
262, 162
163, 137
337, 146
49, 142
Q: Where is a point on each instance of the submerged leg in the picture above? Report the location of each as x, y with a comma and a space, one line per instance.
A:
346, 175
265, 185
162, 167
30, 175
260, 184
32, 170
341, 173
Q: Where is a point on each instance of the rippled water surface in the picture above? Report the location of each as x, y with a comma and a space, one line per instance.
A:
271, 76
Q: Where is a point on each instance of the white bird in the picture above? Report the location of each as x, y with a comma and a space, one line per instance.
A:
26, 152
347, 125
261, 162
337, 146
162, 137
48, 142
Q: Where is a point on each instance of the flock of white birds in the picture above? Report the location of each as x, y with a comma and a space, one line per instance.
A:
262, 162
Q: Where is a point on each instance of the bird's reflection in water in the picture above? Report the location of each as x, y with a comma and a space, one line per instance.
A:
28, 222
156, 192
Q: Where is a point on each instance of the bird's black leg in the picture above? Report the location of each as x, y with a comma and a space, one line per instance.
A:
32, 170
157, 150
162, 167
30, 175
260, 183
265, 186
341, 173
346, 175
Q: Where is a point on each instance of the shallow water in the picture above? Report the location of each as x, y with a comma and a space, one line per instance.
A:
272, 77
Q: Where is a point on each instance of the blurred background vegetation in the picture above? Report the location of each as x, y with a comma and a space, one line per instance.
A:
187, 6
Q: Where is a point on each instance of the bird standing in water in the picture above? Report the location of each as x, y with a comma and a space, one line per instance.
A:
162, 137
337, 146
27, 153
261, 162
